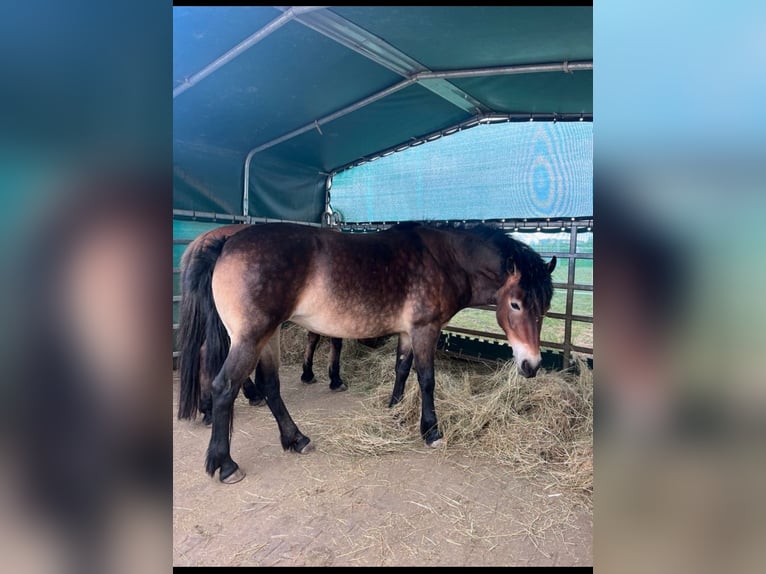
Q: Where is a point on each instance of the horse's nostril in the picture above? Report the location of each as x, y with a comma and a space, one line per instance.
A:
527, 369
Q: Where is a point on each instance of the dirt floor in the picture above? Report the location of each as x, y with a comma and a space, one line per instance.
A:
420, 507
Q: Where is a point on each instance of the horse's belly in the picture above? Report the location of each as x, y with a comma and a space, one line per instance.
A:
346, 327
322, 312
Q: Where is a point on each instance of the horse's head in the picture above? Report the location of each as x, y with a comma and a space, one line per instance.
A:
521, 305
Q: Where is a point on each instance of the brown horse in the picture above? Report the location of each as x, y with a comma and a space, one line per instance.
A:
410, 280
193, 363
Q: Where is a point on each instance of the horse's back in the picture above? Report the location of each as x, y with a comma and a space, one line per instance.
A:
336, 284
266, 234
353, 259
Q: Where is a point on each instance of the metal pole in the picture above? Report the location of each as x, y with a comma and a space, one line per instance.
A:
335, 115
370, 46
247, 43
507, 70
570, 298
246, 191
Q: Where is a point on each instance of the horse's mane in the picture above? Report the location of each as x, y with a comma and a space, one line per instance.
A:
535, 279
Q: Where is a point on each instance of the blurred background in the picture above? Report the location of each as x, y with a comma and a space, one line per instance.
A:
680, 399
85, 159
680, 202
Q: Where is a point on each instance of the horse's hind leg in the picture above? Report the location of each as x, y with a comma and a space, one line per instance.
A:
336, 384
290, 436
312, 340
403, 365
239, 363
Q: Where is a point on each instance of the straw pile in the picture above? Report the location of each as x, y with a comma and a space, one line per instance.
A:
539, 426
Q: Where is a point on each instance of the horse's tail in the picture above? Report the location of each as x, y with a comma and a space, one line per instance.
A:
199, 323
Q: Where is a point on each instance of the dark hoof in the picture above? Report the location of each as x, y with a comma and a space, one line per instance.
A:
340, 388
235, 476
433, 438
302, 445
207, 419
311, 381
257, 402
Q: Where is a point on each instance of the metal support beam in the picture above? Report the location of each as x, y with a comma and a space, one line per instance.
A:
506, 70
246, 190
565, 66
570, 299
372, 47
244, 45
361, 41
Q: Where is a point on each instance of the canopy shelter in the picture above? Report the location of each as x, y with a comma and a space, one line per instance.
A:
271, 101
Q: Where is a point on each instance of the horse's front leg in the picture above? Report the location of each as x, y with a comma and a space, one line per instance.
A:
424, 348
253, 391
336, 384
312, 340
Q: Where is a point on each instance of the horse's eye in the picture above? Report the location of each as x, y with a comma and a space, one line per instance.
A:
516, 306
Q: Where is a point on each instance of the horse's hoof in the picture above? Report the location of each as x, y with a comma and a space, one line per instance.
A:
436, 444
311, 381
207, 420
303, 446
340, 388
257, 402
235, 476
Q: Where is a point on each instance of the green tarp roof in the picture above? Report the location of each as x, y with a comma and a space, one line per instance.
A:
278, 84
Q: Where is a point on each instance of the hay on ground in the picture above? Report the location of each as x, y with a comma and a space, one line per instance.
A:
539, 425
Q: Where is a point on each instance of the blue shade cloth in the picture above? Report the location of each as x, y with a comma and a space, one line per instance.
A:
508, 170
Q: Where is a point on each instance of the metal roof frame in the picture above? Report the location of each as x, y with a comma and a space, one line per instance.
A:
362, 42
244, 45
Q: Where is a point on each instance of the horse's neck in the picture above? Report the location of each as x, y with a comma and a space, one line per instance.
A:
484, 288
482, 270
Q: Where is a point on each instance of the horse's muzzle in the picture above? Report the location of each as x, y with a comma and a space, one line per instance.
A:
527, 369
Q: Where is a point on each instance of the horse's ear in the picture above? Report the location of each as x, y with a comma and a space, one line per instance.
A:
552, 264
509, 265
